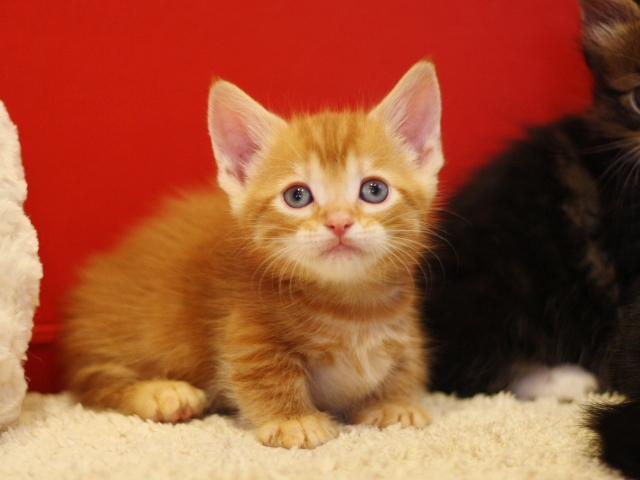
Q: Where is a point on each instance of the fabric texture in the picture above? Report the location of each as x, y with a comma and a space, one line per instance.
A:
20, 273
496, 437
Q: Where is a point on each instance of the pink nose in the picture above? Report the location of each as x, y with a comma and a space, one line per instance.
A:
338, 223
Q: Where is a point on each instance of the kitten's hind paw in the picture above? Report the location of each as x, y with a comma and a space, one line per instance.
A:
308, 431
384, 414
165, 401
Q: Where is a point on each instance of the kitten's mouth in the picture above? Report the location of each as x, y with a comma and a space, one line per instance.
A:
340, 249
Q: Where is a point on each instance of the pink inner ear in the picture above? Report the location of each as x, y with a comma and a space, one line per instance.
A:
234, 141
421, 118
238, 145
412, 110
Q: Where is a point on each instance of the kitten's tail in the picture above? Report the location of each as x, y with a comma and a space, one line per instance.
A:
617, 428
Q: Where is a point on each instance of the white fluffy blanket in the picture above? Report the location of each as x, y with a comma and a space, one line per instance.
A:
20, 273
493, 438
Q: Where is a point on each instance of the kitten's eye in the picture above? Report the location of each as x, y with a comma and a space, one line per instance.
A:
298, 196
374, 191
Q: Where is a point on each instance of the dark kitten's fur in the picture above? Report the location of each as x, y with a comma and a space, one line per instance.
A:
541, 251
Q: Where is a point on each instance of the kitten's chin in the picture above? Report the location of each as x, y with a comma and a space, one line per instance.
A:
341, 264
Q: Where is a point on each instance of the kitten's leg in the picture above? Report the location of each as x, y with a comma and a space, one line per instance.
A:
566, 382
395, 401
269, 386
117, 387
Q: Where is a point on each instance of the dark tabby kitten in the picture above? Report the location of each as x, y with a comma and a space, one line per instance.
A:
540, 257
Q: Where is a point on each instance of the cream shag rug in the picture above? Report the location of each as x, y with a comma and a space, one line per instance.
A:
484, 437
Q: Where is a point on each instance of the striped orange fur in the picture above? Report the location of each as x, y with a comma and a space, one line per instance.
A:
294, 316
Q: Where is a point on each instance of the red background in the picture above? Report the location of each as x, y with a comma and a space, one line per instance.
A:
110, 97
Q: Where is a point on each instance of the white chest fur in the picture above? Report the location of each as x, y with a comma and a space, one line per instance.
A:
357, 364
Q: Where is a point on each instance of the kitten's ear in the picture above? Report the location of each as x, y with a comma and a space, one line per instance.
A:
412, 110
600, 15
239, 128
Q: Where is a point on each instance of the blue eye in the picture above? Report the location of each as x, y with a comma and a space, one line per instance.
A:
374, 191
298, 196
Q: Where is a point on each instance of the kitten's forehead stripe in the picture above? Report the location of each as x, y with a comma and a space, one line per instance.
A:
330, 137
334, 140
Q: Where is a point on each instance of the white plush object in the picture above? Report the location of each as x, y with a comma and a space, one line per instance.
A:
20, 273
492, 438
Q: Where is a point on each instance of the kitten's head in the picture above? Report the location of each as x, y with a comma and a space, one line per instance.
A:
611, 43
334, 197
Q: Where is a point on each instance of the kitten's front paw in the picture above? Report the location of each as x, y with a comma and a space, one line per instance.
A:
566, 382
308, 431
407, 413
165, 401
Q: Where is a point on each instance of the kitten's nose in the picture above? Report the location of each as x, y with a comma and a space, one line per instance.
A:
338, 223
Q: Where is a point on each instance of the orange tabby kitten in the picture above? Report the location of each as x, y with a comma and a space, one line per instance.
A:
291, 299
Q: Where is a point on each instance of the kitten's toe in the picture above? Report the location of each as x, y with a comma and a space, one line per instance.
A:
165, 401
407, 413
308, 431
